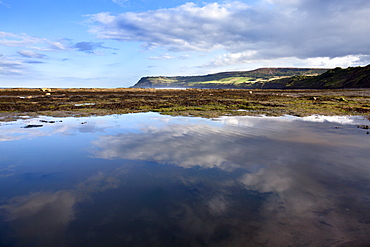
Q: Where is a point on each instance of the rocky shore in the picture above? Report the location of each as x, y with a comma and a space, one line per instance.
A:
185, 102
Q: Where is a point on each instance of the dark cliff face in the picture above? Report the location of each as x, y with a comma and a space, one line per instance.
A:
267, 78
352, 77
144, 82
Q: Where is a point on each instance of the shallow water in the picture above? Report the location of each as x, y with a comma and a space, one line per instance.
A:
153, 180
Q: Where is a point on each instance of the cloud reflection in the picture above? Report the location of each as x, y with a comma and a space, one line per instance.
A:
177, 144
295, 161
237, 142
13, 131
234, 182
42, 218
45, 212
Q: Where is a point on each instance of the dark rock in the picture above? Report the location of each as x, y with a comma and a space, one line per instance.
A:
33, 126
44, 121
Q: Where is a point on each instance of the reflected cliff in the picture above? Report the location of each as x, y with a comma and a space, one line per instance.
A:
147, 179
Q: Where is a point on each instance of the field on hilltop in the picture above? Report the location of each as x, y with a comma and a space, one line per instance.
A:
267, 78
259, 78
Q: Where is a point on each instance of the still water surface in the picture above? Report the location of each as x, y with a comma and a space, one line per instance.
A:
153, 180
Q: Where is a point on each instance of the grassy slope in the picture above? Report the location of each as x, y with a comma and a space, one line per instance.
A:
269, 78
352, 77
258, 78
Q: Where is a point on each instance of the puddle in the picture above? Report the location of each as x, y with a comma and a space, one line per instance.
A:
152, 180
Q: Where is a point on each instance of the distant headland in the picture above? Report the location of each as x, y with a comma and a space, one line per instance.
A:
267, 78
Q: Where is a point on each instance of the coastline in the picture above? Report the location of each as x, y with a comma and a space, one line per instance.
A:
206, 103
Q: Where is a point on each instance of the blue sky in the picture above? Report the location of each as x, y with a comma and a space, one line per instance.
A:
113, 43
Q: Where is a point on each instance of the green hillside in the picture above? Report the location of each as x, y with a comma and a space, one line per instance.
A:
259, 78
268, 78
352, 77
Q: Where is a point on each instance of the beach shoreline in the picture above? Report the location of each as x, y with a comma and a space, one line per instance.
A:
207, 103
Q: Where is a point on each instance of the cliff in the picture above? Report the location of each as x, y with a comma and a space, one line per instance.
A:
267, 78
259, 78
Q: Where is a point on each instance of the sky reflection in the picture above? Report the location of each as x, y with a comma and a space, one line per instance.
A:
146, 179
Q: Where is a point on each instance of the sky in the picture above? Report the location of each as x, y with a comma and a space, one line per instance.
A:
113, 43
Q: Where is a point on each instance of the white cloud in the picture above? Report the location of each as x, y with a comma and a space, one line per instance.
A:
251, 57
120, 2
24, 40
16, 40
43, 44
55, 45
10, 66
187, 27
31, 54
232, 58
4, 4
278, 29
162, 57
